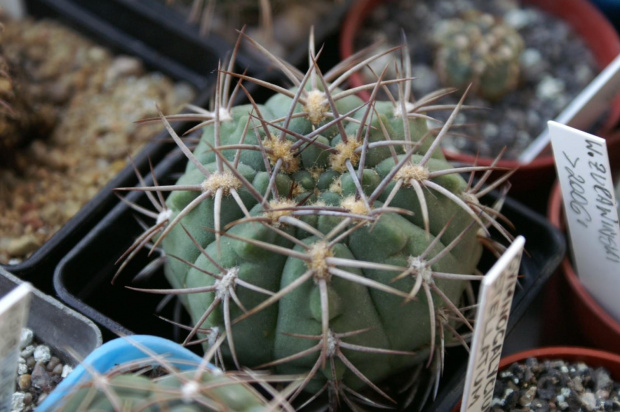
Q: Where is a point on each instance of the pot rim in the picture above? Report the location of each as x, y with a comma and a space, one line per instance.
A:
604, 53
555, 216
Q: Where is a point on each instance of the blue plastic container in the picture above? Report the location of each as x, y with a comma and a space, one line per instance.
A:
119, 351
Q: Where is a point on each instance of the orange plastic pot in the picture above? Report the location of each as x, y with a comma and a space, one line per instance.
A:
591, 357
596, 326
592, 26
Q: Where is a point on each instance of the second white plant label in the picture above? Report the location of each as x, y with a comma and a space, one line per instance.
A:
591, 214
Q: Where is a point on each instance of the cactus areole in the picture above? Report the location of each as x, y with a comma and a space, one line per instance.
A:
324, 236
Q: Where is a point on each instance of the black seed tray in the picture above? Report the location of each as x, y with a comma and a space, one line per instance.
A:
155, 23
38, 268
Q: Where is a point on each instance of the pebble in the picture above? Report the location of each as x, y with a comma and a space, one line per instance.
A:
550, 88
24, 381
123, 66
22, 367
53, 362
66, 370
40, 378
25, 338
27, 351
555, 386
22, 245
42, 353
36, 378
17, 401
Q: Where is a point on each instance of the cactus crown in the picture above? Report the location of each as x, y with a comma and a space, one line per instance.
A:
344, 248
480, 49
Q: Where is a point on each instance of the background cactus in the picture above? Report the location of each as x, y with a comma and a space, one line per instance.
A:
323, 235
480, 49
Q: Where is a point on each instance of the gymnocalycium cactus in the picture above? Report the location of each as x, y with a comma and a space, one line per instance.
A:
158, 382
480, 49
322, 234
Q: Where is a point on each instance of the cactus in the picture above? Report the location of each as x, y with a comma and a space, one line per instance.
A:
480, 49
321, 234
156, 382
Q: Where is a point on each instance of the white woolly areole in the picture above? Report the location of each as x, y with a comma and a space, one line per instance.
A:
164, 216
319, 252
221, 180
212, 336
100, 381
356, 206
189, 391
332, 344
411, 172
316, 106
224, 114
224, 285
421, 267
398, 110
470, 198
279, 208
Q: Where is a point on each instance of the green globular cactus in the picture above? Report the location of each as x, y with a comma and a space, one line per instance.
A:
173, 392
146, 385
323, 235
479, 49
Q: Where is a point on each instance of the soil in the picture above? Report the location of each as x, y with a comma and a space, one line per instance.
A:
555, 66
39, 371
555, 386
88, 99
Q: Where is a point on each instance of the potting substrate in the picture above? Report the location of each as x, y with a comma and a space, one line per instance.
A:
90, 112
552, 72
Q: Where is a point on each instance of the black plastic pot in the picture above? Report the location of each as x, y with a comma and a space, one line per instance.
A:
82, 279
155, 23
55, 324
39, 267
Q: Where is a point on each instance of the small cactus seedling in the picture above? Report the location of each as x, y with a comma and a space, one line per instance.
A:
158, 382
323, 235
479, 49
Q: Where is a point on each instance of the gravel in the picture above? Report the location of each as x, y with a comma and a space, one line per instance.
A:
555, 386
91, 99
38, 372
555, 67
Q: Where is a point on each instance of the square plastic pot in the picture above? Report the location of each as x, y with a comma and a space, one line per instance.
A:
39, 267
83, 278
56, 325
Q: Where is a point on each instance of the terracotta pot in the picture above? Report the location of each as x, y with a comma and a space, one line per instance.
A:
591, 357
587, 22
596, 325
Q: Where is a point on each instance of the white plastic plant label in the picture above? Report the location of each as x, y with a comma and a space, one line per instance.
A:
494, 303
590, 209
13, 315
